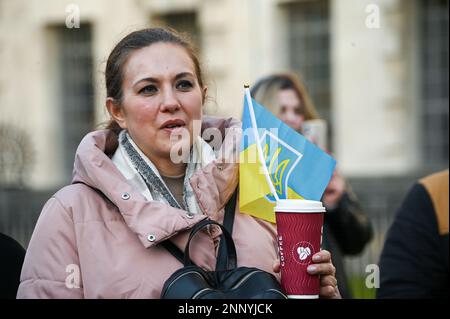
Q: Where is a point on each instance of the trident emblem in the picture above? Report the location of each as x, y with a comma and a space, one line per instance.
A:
281, 159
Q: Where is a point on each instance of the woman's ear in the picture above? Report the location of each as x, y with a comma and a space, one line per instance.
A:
116, 112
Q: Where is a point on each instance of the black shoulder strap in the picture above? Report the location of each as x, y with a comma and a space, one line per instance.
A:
228, 222
174, 250
230, 209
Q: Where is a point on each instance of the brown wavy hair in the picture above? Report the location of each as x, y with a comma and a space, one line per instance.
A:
135, 41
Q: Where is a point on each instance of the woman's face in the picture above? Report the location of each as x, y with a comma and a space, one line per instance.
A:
161, 96
290, 109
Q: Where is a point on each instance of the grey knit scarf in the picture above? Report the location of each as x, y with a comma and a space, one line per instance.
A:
150, 175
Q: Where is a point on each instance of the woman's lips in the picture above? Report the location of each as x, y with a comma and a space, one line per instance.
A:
173, 125
176, 129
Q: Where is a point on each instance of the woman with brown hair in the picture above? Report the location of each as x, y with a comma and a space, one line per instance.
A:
101, 236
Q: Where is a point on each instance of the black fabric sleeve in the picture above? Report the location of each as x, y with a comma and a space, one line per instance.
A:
410, 263
12, 255
349, 225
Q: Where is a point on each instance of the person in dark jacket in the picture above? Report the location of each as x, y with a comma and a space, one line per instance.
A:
347, 229
414, 260
11, 257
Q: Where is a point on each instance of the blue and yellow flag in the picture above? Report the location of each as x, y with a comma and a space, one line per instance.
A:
297, 168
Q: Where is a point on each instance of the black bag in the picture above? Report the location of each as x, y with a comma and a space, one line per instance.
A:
227, 281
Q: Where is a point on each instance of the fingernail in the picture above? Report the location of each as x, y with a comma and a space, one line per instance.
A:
316, 258
311, 268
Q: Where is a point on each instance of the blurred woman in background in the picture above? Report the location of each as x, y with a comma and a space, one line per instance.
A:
347, 229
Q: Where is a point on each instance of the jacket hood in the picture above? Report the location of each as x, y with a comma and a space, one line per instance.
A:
93, 165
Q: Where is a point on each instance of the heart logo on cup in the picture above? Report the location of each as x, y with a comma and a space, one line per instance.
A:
303, 252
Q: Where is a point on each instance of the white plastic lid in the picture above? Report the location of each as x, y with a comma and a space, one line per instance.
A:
299, 206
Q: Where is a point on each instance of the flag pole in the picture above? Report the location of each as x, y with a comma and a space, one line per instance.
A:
258, 145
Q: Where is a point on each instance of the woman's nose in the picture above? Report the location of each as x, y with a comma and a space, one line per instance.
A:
170, 102
288, 119
291, 120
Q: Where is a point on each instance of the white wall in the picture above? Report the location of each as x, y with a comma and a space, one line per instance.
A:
372, 111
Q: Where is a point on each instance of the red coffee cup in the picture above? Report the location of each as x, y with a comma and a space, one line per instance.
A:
299, 227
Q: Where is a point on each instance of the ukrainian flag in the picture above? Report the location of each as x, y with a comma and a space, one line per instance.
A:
297, 168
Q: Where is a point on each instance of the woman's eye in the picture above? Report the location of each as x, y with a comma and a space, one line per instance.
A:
149, 89
184, 85
298, 111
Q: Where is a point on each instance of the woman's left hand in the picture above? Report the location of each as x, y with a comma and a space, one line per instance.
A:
323, 267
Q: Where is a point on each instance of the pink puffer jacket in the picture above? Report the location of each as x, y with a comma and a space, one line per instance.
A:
104, 244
